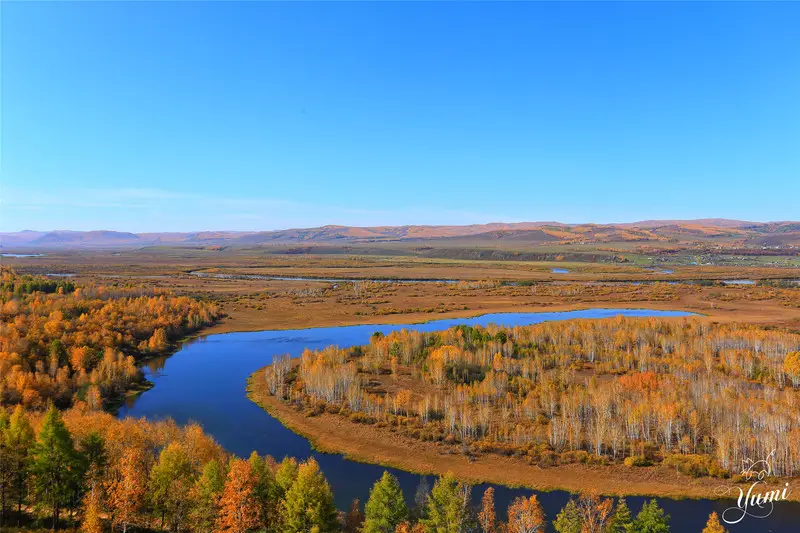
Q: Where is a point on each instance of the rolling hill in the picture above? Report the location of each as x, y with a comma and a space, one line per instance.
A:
722, 232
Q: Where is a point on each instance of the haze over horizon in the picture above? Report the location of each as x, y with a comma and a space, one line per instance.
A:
709, 221
160, 117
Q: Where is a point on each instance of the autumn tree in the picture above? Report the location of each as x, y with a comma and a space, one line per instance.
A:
57, 467
94, 451
525, 515
713, 525
386, 507
446, 510
487, 517
421, 495
238, 507
92, 522
791, 365
407, 527
308, 505
595, 512
126, 487
354, 518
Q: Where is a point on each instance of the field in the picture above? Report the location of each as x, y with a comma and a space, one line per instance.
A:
485, 286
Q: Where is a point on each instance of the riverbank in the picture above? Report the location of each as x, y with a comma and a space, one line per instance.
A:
331, 433
286, 315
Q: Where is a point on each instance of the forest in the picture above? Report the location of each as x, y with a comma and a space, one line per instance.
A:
690, 394
60, 341
89, 470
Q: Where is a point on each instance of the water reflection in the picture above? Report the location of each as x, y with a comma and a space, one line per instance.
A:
205, 382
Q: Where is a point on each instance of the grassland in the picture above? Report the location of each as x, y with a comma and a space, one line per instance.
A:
479, 286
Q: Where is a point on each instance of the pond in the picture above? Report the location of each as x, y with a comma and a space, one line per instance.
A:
20, 255
205, 382
560, 271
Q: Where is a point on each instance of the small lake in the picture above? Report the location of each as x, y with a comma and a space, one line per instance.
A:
205, 382
560, 271
20, 255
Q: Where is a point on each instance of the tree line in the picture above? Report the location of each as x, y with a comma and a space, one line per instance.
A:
695, 395
85, 469
60, 341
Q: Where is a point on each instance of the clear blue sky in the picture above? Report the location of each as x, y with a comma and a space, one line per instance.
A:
155, 116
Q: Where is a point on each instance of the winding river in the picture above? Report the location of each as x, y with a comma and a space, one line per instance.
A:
205, 382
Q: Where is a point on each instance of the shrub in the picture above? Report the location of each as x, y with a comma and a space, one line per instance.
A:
637, 460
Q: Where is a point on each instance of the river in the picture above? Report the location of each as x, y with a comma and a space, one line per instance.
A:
205, 382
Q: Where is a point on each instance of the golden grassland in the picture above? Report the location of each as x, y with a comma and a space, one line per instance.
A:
257, 304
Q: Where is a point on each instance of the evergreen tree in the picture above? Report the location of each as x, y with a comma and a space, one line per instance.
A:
57, 468
286, 475
713, 525
6, 472
206, 494
93, 448
622, 519
171, 479
386, 507
266, 492
651, 519
308, 506
569, 520
19, 442
446, 511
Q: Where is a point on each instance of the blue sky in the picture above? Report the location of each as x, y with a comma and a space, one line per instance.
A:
156, 116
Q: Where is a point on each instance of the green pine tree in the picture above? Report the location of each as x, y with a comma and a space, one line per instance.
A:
622, 519
286, 474
171, 479
57, 468
19, 441
446, 511
386, 507
308, 506
206, 494
266, 493
569, 520
6, 472
651, 519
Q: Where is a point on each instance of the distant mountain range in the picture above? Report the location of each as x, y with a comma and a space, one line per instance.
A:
703, 230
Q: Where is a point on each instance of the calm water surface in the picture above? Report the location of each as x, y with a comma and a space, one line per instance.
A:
205, 382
